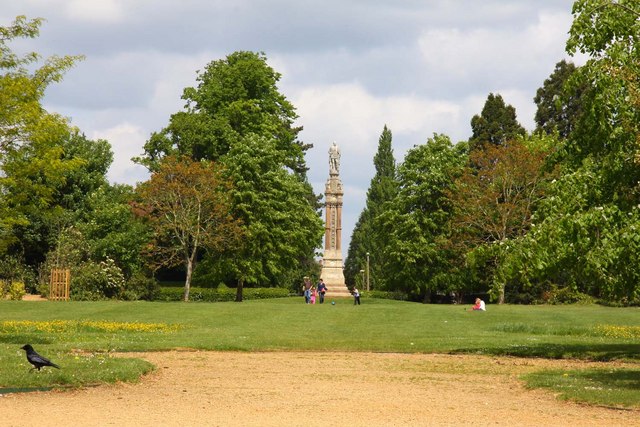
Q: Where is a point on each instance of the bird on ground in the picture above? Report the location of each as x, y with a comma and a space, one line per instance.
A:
36, 360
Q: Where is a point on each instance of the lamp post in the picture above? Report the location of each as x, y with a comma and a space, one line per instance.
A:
368, 276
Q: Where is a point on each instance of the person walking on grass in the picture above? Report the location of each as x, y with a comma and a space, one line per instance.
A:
322, 289
356, 296
306, 287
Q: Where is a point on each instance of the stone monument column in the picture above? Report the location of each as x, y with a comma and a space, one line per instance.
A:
332, 273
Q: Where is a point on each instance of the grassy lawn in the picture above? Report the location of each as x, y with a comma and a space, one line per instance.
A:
81, 335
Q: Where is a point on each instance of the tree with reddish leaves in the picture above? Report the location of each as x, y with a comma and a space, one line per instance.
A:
496, 196
187, 204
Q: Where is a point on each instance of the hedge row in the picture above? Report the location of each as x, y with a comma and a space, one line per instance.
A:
219, 294
399, 296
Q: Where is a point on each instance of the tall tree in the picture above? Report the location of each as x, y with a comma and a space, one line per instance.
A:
281, 226
111, 229
496, 196
22, 86
416, 257
188, 206
559, 104
368, 236
497, 123
237, 102
32, 161
585, 238
235, 97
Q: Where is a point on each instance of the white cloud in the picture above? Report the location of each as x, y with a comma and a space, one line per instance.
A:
125, 142
354, 118
103, 11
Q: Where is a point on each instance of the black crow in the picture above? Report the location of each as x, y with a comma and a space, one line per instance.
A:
35, 359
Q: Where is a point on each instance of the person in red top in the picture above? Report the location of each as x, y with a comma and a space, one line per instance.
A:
479, 305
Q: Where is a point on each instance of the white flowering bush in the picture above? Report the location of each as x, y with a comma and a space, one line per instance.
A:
95, 281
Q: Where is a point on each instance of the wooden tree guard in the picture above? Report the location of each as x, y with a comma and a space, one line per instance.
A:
59, 286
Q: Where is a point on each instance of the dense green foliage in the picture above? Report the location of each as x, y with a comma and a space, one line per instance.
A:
369, 235
237, 116
188, 207
58, 210
496, 124
220, 294
559, 105
418, 258
281, 227
549, 217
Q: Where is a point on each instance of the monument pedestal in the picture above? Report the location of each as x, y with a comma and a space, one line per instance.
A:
333, 276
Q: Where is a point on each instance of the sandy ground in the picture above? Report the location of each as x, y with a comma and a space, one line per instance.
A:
191, 388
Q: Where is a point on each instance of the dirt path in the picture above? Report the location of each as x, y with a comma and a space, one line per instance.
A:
314, 389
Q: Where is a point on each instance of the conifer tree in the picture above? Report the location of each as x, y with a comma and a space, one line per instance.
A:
497, 124
367, 236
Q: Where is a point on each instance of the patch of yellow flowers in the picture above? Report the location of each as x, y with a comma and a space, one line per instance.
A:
60, 326
614, 331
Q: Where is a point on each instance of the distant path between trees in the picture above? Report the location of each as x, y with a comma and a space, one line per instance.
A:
192, 388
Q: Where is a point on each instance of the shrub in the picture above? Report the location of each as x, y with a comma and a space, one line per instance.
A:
11, 289
140, 286
16, 291
567, 295
14, 270
95, 281
395, 295
220, 294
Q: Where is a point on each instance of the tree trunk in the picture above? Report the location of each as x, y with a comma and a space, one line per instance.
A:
187, 282
501, 295
239, 290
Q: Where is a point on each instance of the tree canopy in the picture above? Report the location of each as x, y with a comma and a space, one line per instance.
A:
188, 206
281, 226
235, 97
368, 235
32, 159
559, 104
496, 124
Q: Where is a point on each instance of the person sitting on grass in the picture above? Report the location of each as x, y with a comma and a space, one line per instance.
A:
479, 305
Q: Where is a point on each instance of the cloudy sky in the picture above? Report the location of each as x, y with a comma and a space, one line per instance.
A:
348, 66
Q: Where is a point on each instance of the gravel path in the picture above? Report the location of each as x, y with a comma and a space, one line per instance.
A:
191, 388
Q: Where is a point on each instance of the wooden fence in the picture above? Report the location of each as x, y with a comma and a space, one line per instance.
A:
59, 285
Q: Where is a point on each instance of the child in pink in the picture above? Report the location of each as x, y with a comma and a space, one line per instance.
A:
313, 295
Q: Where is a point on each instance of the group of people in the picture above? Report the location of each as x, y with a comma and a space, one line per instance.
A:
312, 292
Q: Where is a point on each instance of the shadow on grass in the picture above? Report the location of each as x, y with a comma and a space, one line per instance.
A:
597, 352
614, 388
24, 339
619, 379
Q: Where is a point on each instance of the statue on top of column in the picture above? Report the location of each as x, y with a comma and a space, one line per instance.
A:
334, 159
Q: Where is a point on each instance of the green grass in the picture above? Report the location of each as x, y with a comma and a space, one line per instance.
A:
80, 346
611, 387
